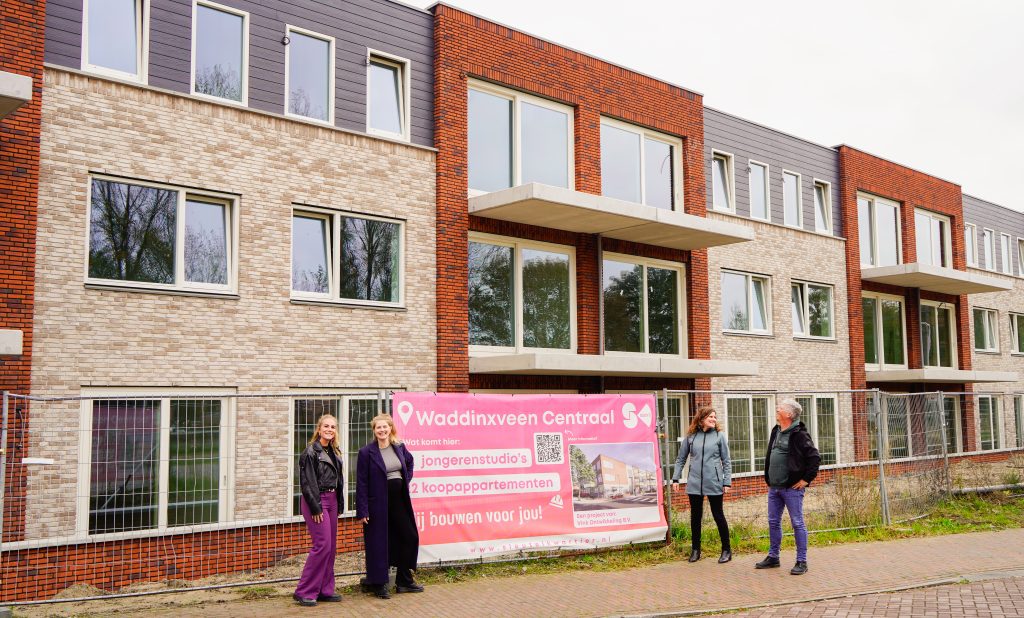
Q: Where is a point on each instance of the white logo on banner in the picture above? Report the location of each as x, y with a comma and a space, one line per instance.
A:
405, 411
630, 415
556, 502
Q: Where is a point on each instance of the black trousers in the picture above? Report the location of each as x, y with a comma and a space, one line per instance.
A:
403, 538
697, 515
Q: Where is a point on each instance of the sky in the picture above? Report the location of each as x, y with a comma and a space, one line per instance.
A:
934, 85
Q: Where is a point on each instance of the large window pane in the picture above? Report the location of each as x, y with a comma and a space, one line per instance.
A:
1018, 419
887, 226
309, 255
892, 332
944, 326
546, 300
623, 307
929, 336
825, 423
309, 77
758, 192
865, 229
194, 463
663, 311
819, 310
491, 295
620, 163
949, 415
791, 199
113, 35
124, 466
307, 413
369, 259
490, 141
219, 40
762, 430
734, 302
206, 242
132, 232
658, 174
386, 97
738, 424
869, 312
545, 145
721, 189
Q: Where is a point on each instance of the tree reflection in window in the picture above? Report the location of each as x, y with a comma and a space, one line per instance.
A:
545, 299
623, 307
132, 232
491, 291
369, 259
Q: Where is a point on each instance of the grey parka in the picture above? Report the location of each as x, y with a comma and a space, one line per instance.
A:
710, 465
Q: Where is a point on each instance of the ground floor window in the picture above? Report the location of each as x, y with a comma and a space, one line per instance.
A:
988, 414
1018, 419
749, 420
819, 415
893, 416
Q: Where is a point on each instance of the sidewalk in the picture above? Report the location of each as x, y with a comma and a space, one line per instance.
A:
678, 587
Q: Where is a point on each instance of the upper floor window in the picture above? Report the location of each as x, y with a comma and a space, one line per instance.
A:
792, 209
159, 236
938, 335
878, 222
1017, 332
309, 58
746, 305
986, 333
1004, 254
220, 50
822, 206
884, 331
639, 165
933, 243
388, 96
113, 35
971, 243
812, 310
722, 194
515, 139
989, 246
1020, 257
643, 301
759, 203
521, 294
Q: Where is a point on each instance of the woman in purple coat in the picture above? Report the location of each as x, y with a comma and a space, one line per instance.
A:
383, 471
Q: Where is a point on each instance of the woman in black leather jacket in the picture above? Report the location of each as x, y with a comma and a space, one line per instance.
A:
322, 486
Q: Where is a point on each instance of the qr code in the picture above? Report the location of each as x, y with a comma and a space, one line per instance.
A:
547, 448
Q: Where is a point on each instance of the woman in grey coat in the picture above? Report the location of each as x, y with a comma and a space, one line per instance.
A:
710, 475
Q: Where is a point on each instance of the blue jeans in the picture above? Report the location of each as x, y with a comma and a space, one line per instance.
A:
793, 501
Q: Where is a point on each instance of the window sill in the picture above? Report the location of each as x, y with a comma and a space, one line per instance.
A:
735, 333
344, 305
815, 339
111, 287
989, 352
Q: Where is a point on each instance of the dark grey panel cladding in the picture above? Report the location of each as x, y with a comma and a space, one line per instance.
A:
356, 25
1001, 220
746, 140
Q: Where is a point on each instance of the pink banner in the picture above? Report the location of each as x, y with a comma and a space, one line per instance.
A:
498, 474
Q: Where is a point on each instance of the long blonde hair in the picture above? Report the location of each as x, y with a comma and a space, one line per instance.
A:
393, 438
316, 432
697, 424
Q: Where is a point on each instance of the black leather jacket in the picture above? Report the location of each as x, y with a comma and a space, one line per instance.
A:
317, 474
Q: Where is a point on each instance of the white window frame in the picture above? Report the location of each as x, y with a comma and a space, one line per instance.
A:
226, 494
988, 237
333, 218
1016, 334
288, 30
770, 418
518, 245
826, 191
730, 181
517, 97
677, 158
231, 202
1005, 255
872, 200
245, 53
940, 306
996, 427
767, 190
971, 244
995, 325
799, 199
681, 324
957, 428
750, 295
806, 309
142, 52
881, 365
1020, 256
812, 425
947, 241
404, 66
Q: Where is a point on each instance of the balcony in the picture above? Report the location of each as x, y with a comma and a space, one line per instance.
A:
15, 91
585, 213
560, 364
941, 375
934, 279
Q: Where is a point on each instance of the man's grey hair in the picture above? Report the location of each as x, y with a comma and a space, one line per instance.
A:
794, 408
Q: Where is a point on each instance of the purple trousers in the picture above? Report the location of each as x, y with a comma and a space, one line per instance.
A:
318, 574
793, 501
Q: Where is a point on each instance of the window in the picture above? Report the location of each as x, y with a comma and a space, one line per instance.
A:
1004, 254
722, 193
113, 38
516, 139
749, 421
819, 414
812, 310
938, 335
822, 207
346, 257
879, 227
988, 414
638, 165
971, 243
159, 236
951, 419
521, 295
309, 79
387, 94
154, 463
220, 51
643, 305
745, 303
1017, 333
933, 244
1020, 257
792, 209
884, 335
759, 202
986, 335
1018, 419
989, 246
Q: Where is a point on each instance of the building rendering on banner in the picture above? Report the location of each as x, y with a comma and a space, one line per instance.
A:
341, 199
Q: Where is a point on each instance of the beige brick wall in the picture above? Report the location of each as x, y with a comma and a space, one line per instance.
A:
258, 342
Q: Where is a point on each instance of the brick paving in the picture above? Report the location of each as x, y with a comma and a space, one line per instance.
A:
706, 586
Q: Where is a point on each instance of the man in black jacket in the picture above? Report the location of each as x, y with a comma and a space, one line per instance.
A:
790, 465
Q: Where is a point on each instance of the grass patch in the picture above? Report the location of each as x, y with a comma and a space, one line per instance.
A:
257, 593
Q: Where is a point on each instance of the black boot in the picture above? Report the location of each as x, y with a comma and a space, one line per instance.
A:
725, 557
694, 555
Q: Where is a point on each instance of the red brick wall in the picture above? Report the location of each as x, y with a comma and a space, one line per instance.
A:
466, 46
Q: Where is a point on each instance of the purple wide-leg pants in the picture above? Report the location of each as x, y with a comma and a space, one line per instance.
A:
318, 575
